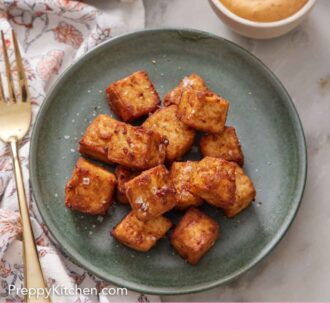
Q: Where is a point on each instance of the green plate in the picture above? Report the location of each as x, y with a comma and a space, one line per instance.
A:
266, 121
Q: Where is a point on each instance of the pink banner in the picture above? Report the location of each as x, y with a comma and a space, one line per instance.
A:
166, 316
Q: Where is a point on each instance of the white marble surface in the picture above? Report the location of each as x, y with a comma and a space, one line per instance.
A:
299, 268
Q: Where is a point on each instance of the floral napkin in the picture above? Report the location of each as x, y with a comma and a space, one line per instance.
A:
52, 35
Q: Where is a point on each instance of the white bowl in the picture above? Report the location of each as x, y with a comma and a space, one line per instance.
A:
259, 30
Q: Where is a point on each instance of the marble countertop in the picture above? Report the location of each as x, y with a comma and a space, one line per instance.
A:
299, 268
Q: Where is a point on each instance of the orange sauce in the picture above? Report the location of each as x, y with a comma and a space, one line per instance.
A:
264, 10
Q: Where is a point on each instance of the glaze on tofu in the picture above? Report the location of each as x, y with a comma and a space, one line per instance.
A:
141, 235
152, 193
225, 145
193, 81
204, 111
94, 142
194, 235
214, 181
180, 137
245, 193
181, 175
123, 175
136, 147
90, 188
133, 96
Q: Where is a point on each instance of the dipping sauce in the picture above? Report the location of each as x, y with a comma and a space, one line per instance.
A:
264, 10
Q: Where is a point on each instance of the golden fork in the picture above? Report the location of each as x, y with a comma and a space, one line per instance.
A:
15, 119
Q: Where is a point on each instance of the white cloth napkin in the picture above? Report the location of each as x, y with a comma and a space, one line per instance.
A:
52, 34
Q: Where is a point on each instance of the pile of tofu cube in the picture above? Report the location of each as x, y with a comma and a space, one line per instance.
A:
150, 176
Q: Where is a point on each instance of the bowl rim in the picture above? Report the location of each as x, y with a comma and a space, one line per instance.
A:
300, 13
145, 288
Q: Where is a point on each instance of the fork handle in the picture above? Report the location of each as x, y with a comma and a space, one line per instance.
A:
33, 277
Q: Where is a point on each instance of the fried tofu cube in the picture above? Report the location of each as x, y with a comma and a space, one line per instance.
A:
133, 96
180, 137
94, 142
152, 193
90, 188
245, 193
225, 145
194, 235
141, 235
215, 181
204, 111
193, 81
123, 175
136, 147
181, 175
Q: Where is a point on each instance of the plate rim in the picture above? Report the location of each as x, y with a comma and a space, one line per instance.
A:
288, 220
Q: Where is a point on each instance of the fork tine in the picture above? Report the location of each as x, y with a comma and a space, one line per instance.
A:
2, 96
12, 97
21, 72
